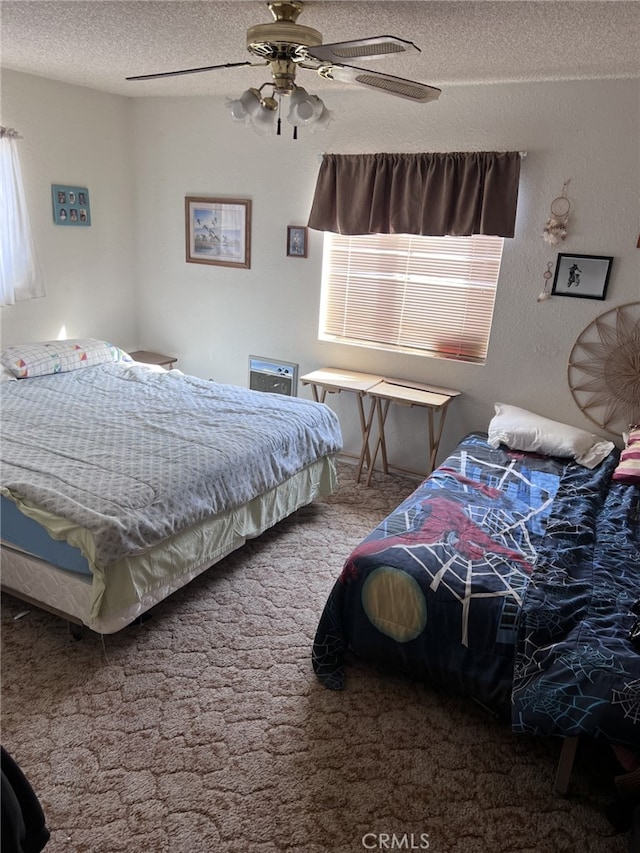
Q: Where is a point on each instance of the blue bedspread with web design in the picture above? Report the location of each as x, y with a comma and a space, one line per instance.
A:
576, 671
508, 577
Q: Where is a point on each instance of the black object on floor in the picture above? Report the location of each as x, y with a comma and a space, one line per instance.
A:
24, 827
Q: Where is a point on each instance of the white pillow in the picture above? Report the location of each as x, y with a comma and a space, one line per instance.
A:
520, 429
28, 360
5, 375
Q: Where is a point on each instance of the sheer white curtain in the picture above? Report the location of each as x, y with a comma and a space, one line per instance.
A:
20, 274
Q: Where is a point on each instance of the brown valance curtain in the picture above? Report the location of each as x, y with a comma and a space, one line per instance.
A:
455, 194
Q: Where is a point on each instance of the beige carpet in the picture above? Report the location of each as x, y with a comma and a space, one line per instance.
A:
204, 729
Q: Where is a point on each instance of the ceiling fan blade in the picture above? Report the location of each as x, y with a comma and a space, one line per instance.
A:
409, 89
368, 48
191, 70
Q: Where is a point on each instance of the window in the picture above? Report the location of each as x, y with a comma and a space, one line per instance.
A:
20, 276
430, 296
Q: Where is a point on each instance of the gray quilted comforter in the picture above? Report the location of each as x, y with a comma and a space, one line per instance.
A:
135, 455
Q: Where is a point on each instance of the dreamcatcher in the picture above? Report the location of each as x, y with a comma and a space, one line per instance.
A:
556, 226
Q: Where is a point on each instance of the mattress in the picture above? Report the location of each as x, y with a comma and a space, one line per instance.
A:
25, 534
137, 583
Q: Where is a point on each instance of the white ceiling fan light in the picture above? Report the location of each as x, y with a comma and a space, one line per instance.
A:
253, 109
262, 113
323, 120
264, 121
245, 106
304, 109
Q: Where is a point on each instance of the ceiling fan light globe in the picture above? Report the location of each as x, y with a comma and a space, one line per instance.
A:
318, 106
264, 121
245, 106
250, 100
298, 95
305, 109
323, 121
238, 112
302, 112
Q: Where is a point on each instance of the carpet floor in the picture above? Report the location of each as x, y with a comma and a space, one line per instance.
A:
204, 729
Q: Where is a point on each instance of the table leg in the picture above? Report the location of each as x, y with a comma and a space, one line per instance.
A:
565, 765
382, 408
366, 421
365, 425
434, 441
314, 391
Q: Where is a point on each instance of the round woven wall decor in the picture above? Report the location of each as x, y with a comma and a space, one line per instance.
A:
604, 369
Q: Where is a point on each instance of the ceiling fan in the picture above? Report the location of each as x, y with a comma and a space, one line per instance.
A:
285, 46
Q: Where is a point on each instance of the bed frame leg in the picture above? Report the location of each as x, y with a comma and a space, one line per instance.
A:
565, 765
76, 631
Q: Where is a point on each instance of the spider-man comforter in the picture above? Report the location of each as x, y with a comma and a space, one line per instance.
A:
499, 560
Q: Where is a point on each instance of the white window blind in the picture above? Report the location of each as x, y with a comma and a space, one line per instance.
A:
431, 296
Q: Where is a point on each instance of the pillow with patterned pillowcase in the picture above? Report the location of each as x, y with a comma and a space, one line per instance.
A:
628, 469
25, 361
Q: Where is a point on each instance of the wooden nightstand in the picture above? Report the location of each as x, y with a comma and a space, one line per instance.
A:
146, 357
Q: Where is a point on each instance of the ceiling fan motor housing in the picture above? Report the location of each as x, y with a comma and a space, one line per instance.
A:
284, 38
283, 43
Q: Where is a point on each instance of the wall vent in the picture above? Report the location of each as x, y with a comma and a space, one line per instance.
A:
276, 377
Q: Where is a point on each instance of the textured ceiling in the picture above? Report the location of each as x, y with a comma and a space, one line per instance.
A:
97, 43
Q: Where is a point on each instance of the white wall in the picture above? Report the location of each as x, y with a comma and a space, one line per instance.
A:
126, 277
213, 317
80, 137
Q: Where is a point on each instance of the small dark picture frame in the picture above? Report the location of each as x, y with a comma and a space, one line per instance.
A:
582, 276
296, 241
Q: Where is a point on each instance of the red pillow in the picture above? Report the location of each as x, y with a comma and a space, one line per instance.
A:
628, 470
